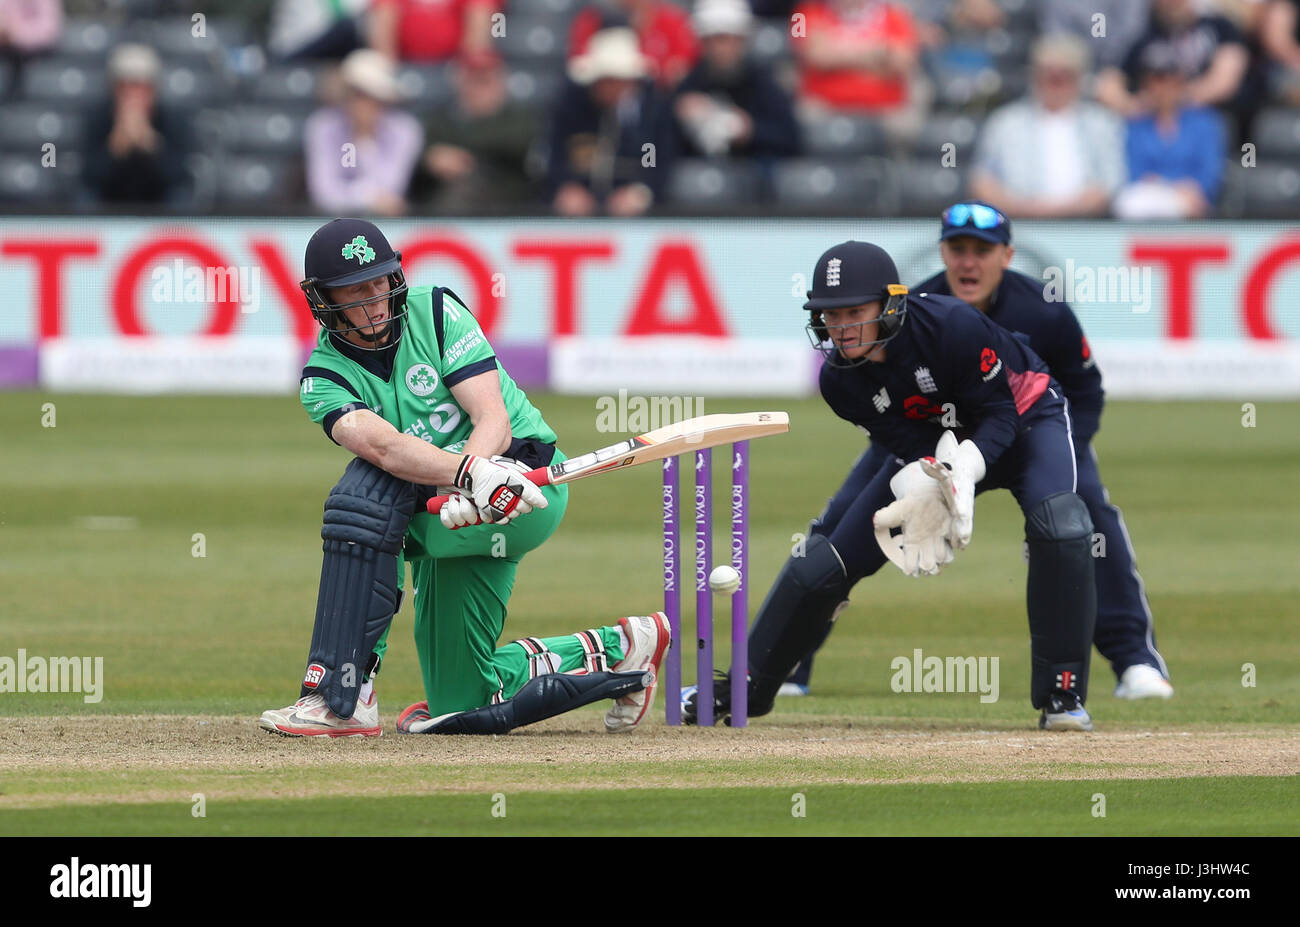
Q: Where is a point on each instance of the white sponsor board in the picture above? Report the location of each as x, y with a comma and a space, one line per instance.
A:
171, 365
707, 366
1200, 370
1198, 308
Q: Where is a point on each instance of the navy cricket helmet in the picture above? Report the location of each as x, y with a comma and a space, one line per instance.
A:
344, 252
850, 274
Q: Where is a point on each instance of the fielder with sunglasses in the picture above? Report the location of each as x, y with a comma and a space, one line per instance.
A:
975, 244
962, 406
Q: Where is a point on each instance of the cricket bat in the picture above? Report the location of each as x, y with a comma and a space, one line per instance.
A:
687, 435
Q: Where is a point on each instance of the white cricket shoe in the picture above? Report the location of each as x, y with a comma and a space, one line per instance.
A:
1143, 681
792, 689
648, 637
311, 717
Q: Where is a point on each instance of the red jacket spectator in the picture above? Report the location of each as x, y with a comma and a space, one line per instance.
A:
430, 30
664, 31
856, 54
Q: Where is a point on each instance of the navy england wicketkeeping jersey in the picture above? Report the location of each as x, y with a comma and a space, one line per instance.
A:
949, 367
1054, 334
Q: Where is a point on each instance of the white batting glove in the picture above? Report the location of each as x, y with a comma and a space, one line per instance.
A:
957, 468
458, 511
499, 493
918, 509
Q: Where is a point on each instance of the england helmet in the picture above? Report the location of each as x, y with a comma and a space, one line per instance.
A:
850, 274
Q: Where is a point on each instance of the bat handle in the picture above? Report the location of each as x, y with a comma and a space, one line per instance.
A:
539, 477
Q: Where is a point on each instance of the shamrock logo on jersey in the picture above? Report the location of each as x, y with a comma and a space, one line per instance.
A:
360, 249
422, 379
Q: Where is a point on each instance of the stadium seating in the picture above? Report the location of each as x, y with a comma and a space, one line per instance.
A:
836, 187
250, 183
27, 126
534, 87
1269, 190
842, 136
427, 87
714, 186
62, 81
1276, 133
925, 188
24, 181
295, 84
250, 113
533, 37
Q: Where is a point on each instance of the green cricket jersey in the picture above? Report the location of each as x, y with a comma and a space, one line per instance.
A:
416, 397
462, 579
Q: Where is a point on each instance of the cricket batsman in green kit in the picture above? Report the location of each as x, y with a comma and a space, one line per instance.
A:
404, 379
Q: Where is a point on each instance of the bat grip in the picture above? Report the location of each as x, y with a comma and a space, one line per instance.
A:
539, 477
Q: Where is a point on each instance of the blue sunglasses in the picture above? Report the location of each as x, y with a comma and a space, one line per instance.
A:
977, 214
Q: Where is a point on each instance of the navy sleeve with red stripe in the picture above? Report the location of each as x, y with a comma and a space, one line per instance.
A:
993, 377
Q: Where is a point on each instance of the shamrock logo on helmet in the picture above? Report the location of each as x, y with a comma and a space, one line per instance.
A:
360, 249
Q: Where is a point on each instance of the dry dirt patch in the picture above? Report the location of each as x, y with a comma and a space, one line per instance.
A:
567, 753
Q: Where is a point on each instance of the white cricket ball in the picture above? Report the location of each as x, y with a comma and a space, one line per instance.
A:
724, 580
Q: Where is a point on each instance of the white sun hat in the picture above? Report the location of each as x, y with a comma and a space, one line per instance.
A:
372, 73
612, 53
722, 17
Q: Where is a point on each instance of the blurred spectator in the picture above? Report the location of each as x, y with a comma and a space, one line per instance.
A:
937, 19
861, 56
1124, 22
955, 38
480, 142
315, 28
1175, 153
729, 104
1280, 39
1050, 154
27, 28
135, 148
429, 31
1208, 49
606, 116
663, 30
360, 155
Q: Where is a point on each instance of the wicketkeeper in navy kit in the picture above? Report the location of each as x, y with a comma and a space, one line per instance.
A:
963, 406
404, 378
975, 245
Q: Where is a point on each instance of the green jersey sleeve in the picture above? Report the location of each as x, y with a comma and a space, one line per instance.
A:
327, 398
466, 352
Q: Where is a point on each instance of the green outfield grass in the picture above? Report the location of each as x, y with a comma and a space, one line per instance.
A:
1152, 807
99, 517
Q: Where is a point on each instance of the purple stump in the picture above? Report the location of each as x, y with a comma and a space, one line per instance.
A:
672, 685
703, 594
739, 605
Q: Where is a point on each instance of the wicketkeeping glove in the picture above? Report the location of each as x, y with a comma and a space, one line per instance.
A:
497, 488
919, 509
957, 468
